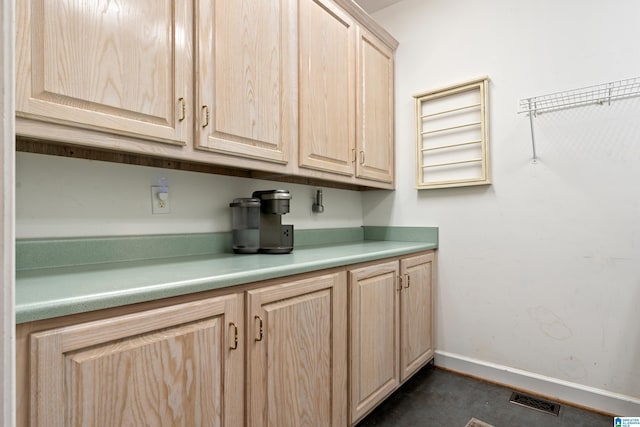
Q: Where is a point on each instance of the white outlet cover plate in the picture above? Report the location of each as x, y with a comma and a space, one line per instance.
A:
158, 206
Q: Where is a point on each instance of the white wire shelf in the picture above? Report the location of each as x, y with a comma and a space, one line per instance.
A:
598, 94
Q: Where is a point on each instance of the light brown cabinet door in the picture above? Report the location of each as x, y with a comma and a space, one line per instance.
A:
374, 336
416, 313
374, 109
246, 68
121, 67
174, 366
326, 88
297, 354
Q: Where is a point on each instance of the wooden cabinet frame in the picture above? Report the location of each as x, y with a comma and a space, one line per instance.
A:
140, 90
237, 104
245, 102
295, 331
326, 87
375, 147
374, 293
264, 318
391, 327
416, 313
65, 362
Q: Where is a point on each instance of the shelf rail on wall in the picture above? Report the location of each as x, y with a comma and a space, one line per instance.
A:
598, 94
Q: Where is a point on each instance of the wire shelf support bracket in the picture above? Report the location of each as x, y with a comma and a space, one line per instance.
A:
598, 94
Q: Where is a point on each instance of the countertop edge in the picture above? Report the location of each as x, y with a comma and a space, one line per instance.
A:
52, 307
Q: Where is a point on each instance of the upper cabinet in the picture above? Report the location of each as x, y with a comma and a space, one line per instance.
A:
121, 67
246, 78
327, 87
345, 95
374, 134
290, 87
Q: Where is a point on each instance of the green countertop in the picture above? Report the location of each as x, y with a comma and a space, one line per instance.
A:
54, 291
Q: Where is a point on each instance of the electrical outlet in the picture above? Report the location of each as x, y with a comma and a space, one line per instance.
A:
160, 200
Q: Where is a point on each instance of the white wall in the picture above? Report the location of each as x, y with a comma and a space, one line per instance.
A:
540, 272
66, 197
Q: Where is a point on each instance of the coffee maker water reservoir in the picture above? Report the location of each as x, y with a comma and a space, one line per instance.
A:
245, 225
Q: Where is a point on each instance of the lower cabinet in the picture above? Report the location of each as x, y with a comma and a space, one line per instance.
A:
391, 327
375, 335
174, 366
416, 313
319, 349
297, 353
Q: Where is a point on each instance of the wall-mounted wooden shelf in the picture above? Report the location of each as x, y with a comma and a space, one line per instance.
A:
452, 143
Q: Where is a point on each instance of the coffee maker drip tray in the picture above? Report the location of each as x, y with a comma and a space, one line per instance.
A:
275, 251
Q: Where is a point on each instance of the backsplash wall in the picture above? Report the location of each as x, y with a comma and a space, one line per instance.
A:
66, 197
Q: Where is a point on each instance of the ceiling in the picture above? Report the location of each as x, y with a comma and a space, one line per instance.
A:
374, 5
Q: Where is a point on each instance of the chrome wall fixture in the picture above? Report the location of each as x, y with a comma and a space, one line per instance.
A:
317, 206
598, 94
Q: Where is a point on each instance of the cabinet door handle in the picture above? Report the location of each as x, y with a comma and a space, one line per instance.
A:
260, 330
355, 155
362, 157
183, 109
399, 288
235, 336
205, 108
408, 280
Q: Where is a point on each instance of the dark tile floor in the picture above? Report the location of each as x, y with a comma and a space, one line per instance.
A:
434, 397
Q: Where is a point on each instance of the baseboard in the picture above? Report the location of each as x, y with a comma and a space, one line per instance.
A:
553, 388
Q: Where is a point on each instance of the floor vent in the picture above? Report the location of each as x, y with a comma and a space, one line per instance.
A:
535, 403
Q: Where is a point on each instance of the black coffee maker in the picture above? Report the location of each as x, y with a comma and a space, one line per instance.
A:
275, 238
